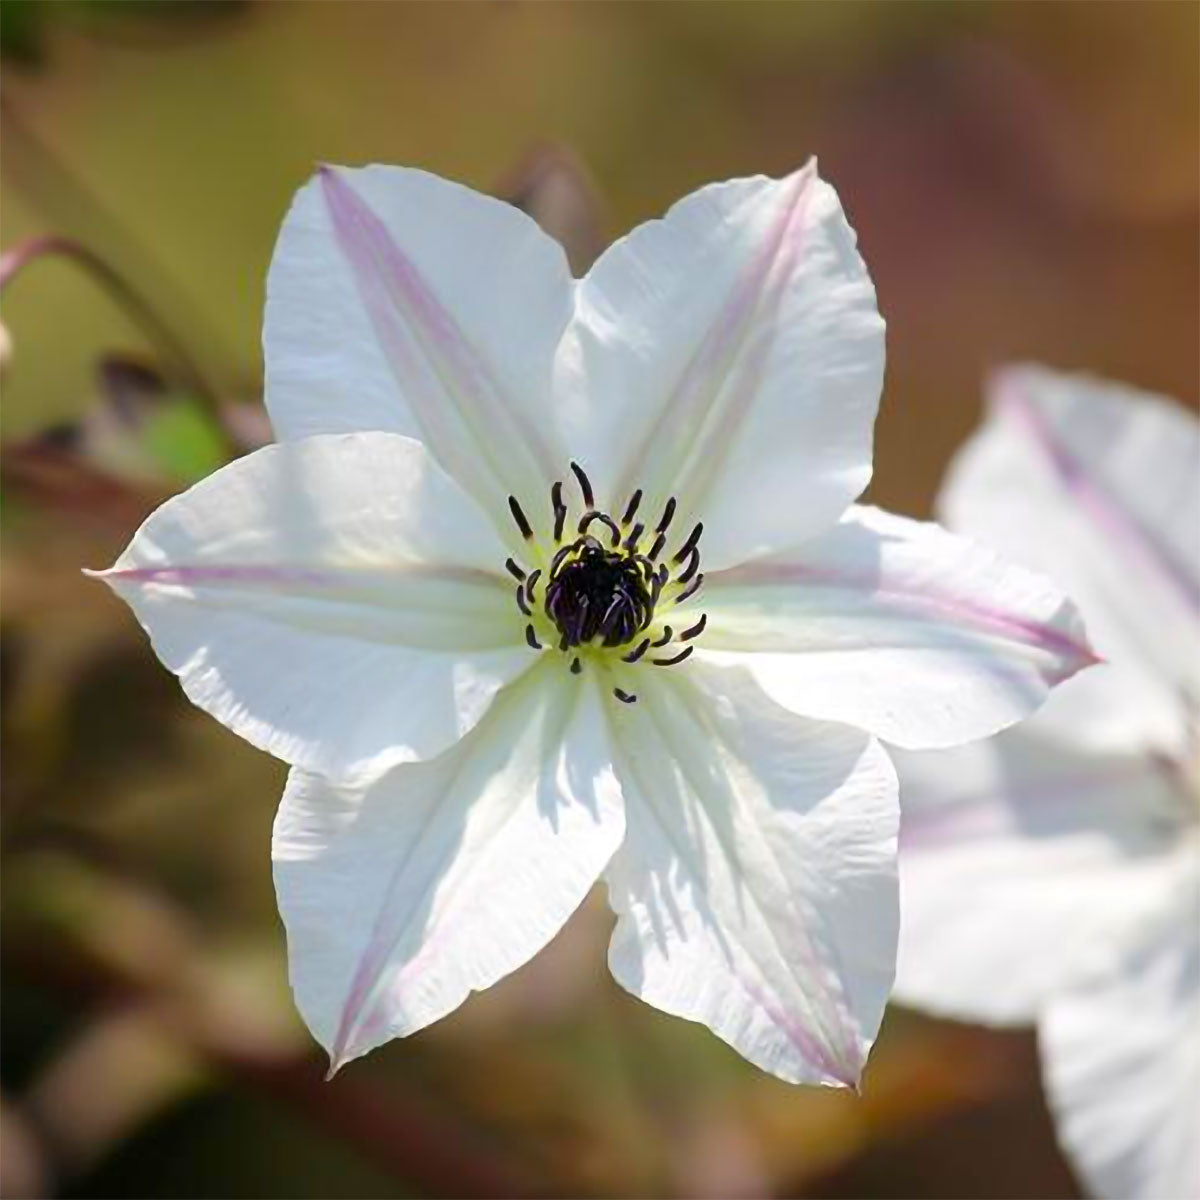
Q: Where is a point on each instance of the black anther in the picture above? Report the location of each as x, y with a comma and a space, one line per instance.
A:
691, 588
556, 561
690, 544
667, 635
665, 519
694, 630
560, 510
670, 662
576, 666
521, 602
531, 583
605, 520
656, 549
624, 697
690, 569
635, 536
632, 507
585, 485
637, 653
520, 518
531, 638
515, 571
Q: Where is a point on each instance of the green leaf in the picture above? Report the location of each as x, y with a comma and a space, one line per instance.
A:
182, 440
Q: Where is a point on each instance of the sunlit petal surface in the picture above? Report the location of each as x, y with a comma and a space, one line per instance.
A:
440, 878
897, 627
400, 301
755, 891
336, 601
731, 354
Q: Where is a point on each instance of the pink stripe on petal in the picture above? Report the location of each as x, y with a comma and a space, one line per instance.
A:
702, 407
846, 1069
1113, 519
270, 576
453, 395
959, 609
284, 576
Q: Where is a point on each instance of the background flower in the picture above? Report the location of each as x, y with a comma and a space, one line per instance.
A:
1053, 874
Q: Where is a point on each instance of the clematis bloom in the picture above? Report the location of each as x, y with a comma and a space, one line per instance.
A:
1053, 873
551, 580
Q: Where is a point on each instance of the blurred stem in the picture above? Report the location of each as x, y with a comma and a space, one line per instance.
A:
67, 203
15, 260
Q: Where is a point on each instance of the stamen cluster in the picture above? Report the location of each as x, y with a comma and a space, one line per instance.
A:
607, 595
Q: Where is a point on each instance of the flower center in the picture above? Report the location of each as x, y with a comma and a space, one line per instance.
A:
606, 582
594, 593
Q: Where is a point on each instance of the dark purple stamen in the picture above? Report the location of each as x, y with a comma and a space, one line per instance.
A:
576, 666
624, 697
556, 561
531, 583
691, 589
694, 630
637, 653
690, 544
667, 635
632, 507
560, 510
522, 603
585, 486
510, 565
605, 520
665, 519
635, 536
670, 662
597, 593
690, 569
656, 549
531, 638
520, 518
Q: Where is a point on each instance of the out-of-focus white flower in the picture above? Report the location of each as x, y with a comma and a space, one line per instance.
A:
464, 596
1053, 873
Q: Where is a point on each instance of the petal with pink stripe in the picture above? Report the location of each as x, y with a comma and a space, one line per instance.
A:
756, 889
337, 601
438, 879
896, 627
730, 354
403, 302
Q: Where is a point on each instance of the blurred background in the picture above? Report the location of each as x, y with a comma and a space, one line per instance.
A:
1023, 179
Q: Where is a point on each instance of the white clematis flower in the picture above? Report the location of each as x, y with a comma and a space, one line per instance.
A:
1053, 873
551, 581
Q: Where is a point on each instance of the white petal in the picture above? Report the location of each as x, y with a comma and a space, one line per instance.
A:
442, 877
897, 627
730, 354
400, 301
1121, 1059
756, 887
337, 601
1098, 486
1023, 862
